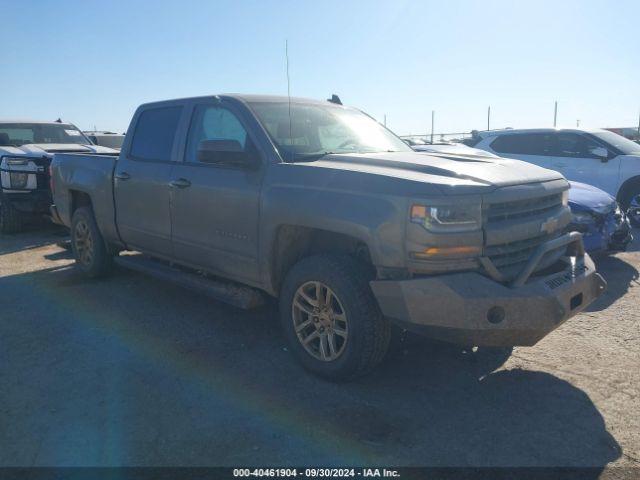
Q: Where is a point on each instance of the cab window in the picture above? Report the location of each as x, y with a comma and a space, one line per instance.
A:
213, 123
155, 133
574, 146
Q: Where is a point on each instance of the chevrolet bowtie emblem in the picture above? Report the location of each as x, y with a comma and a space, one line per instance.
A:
549, 226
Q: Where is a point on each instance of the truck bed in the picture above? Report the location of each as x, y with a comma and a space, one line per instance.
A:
74, 174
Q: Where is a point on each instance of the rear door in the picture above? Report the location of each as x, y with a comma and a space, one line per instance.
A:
529, 147
215, 207
141, 180
573, 158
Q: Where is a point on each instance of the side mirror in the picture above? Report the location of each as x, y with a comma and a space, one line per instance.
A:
600, 152
226, 152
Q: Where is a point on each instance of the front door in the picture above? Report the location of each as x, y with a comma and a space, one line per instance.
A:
216, 207
573, 158
141, 182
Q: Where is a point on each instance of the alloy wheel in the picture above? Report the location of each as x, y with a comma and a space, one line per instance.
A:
83, 243
320, 321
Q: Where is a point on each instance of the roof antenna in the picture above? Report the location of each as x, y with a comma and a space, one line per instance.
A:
59, 120
336, 99
286, 54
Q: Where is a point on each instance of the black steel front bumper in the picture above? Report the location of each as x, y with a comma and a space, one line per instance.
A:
474, 309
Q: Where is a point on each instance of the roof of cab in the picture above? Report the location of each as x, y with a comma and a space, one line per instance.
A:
243, 97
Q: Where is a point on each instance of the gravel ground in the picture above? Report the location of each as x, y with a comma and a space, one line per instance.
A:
131, 371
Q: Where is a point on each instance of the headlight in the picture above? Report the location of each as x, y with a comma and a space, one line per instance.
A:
450, 218
18, 180
582, 217
18, 173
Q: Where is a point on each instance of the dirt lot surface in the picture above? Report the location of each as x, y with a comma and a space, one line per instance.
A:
131, 371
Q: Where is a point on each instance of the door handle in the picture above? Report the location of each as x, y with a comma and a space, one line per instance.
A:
122, 176
180, 183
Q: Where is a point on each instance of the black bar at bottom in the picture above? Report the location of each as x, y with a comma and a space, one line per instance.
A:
202, 473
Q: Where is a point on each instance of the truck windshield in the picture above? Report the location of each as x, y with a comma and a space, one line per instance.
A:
17, 134
315, 130
627, 147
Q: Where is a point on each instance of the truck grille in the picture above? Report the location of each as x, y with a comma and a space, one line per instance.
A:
499, 212
515, 253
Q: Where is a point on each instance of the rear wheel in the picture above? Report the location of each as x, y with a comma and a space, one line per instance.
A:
10, 221
88, 246
331, 319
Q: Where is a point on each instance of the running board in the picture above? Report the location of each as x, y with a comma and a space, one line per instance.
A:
232, 293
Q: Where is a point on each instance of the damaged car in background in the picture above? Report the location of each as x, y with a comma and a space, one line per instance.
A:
596, 214
26, 149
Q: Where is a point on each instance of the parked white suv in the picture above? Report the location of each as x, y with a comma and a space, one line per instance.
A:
597, 157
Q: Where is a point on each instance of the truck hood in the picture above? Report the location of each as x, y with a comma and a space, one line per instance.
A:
450, 173
48, 149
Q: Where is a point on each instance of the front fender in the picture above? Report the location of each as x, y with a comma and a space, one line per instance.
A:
375, 220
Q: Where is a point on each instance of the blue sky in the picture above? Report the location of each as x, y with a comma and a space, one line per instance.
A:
92, 62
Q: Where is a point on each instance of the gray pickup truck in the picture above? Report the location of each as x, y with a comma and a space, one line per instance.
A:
320, 206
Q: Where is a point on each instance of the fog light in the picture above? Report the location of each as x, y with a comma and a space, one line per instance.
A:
495, 315
18, 179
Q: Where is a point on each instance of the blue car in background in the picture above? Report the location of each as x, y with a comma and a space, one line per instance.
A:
598, 217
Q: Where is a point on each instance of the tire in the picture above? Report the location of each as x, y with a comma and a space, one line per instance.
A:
87, 244
10, 221
351, 310
630, 203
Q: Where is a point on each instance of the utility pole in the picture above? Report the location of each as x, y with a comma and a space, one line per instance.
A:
489, 118
638, 125
555, 115
578, 123
433, 116
385, 119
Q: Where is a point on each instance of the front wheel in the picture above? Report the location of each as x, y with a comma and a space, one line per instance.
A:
331, 319
87, 244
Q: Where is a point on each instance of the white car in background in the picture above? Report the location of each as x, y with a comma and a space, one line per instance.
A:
597, 157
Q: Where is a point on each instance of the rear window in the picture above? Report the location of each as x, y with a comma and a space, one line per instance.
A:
524, 144
155, 132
